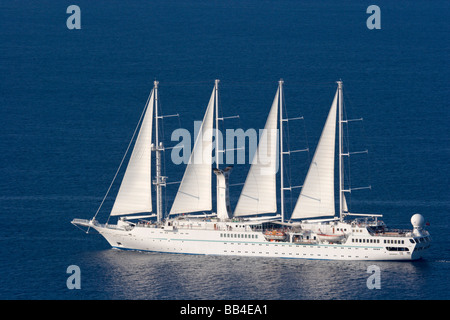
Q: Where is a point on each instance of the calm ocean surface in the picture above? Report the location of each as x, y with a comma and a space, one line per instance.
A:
70, 100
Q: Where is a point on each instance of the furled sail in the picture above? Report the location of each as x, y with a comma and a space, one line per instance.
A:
135, 195
194, 193
259, 193
317, 196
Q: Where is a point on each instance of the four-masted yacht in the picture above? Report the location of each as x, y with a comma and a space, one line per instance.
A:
256, 228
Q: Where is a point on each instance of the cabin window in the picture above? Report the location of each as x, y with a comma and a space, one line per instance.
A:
396, 249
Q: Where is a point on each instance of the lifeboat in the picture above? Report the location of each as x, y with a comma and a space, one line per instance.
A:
330, 237
275, 235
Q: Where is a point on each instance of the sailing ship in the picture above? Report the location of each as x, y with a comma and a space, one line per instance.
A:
256, 228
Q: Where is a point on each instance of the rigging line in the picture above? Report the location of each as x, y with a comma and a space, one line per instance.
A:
289, 171
347, 144
123, 158
161, 127
165, 189
87, 231
164, 160
270, 82
236, 184
183, 83
362, 133
219, 156
364, 138
247, 83
166, 202
174, 182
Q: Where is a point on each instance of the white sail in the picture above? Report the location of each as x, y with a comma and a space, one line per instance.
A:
135, 195
194, 193
259, 193
317, 196
344, 204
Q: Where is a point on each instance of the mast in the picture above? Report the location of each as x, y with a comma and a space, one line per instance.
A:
158, 147
281, 148
341, 174
216, 102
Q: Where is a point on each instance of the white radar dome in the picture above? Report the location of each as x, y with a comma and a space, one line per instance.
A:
417, 220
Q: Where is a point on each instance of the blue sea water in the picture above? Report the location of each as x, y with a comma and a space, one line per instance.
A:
70, 100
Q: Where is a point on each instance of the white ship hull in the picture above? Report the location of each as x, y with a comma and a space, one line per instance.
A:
208, 239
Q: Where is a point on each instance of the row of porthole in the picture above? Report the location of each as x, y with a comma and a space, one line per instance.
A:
297, 254
368, 240
239, 235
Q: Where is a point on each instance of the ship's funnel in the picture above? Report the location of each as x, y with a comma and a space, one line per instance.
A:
223, 199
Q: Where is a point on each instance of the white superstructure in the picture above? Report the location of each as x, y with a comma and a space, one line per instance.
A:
313, 232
